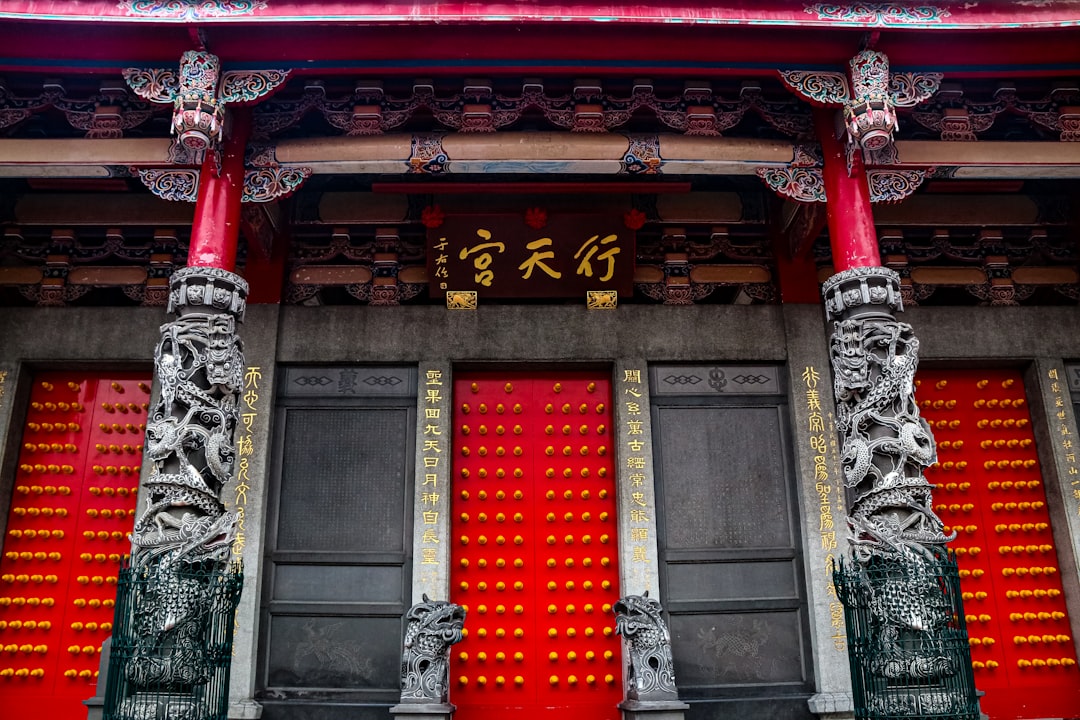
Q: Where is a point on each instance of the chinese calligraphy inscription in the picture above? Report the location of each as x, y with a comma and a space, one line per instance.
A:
431, 499
830, 494
502, 257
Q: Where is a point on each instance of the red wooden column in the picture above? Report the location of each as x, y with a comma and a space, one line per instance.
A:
216, 227
851, 222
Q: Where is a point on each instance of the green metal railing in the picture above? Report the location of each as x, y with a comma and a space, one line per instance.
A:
172, 642
907, 639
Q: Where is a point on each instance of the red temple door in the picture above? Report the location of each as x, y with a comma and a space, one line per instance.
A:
534, 558
67, 534
990, 491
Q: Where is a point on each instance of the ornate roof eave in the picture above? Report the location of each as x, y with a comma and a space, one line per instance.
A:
682, 38
914, 15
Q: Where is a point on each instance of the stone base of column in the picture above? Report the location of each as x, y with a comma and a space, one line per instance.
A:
246, 709
423, 711
653, 710
95, 706
832, 705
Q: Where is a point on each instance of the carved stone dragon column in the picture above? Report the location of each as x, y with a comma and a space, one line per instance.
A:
907, 641
910, 655
174, 612
887, 445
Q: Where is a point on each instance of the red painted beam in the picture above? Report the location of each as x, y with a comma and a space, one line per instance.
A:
528, 188
499, 48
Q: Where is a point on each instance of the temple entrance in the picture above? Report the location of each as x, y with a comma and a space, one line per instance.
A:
535, 555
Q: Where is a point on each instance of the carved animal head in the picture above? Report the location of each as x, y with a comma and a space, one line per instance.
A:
435, 619
639, 614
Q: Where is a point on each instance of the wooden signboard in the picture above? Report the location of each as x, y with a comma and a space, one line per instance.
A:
501, 256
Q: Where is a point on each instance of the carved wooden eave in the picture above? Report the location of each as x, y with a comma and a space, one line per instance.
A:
915, 15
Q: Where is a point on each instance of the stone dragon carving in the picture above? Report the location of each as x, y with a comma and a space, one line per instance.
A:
433, 626
182, 540
898, 543
651, 672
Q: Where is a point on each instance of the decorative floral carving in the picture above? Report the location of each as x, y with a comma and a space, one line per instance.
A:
199, 93
893, 185
878, 13
802, 184
190, 9
819, 87
267, 184
170, 184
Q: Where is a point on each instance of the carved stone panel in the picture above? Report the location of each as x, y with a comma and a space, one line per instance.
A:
334, 652
731, 575
349, 382
714, 379
723, 477
737, 648
344, 476
341, 520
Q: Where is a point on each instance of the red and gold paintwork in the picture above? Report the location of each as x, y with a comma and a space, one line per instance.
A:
990, 491
71, 512
534, 558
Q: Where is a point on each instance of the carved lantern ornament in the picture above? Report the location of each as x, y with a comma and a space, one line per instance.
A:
870, 116
199, 92
870, 98
198, 116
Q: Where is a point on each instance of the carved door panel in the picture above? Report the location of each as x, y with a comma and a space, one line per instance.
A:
535, 553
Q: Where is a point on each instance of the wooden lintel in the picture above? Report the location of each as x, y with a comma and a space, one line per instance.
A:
1045, 276
102, 276
948, 276
20, 275
992, 160
109, 209
330, 275
954, 210
730, 274
79, 151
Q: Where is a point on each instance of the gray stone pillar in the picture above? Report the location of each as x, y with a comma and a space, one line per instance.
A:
639, 577
635, 490
1058, 441
247, 497
432, 485
9, 448
821, 503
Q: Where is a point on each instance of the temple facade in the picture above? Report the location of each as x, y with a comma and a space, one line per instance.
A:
620, 329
